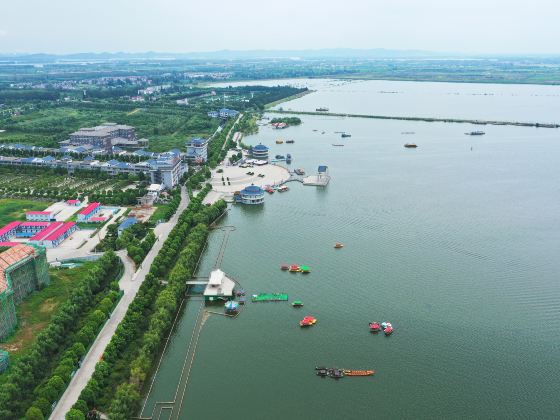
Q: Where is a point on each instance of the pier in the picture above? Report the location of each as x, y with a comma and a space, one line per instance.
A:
425, 119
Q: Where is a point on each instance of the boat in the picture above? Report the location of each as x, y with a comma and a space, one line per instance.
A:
337, 144
308, 321
231, 306
338, 245
242, 300
297, 303
322, 372
279, 141
343, 135
387, 328
408, 132
475, 133
410, 145
299, 171
374, 327
240, 292
320, 368
304, 269
294, 268
284, 267
279, 157
358, 372
283, 188
322, 109
270, 190
335, 373
290, 141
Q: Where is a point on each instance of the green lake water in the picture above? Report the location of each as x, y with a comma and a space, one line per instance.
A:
456, 243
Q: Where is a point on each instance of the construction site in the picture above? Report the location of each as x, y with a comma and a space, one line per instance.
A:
23, 269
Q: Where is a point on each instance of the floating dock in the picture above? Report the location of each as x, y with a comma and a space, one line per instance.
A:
270, 297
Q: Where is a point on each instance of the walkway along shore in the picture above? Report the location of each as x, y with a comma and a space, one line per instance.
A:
426, 119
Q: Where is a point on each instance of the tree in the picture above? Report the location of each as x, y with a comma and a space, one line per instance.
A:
33, 413
75, 414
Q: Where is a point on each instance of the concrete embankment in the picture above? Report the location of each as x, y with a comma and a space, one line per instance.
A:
426, 119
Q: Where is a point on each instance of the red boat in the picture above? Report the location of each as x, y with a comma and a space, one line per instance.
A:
284, 267
388, 331
374, 326
307, 321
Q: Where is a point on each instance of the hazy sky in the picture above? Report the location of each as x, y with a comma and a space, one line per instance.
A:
479, 26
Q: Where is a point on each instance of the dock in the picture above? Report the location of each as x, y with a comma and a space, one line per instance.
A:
425, 119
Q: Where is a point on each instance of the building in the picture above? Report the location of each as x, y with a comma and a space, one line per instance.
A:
75, 203
259, 152
197, 150
9, 231
23, 269
30, 229
89, 211
219, 286
164, 168
54, 234
40, 216
321, 179
251, 195
104, 136
223, 113
129, 221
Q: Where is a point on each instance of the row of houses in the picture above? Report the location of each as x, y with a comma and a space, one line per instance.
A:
46, 234
166, 169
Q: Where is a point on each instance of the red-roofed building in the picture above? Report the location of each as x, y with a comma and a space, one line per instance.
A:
29, 229
73, 202
97, 219
40, 216
8, 231
54, 234
85, 214
9, 244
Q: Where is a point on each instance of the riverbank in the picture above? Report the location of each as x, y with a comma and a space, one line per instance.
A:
425, 119
287, 99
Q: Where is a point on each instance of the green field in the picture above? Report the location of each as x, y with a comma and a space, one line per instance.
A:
36, 310
14, 209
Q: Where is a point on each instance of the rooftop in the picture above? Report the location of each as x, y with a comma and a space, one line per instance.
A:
89, 209
219, 284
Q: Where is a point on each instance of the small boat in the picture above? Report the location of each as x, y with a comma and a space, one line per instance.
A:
343, 135
322, 109
284, 267
338, 245
297, 303
294, 268
338, 145
279, 141
410, 145
299, 171
308, 321
358, 372
290, 141
320, 368
388, 331
322, 372
231, 306
280, 157
269, 190
475, 133
283, 188
322, 132
336, 373
408, 132
304, 269
240, 292
374, 327
242, 300
387, 328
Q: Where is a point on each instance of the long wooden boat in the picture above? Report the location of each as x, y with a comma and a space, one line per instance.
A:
359, 372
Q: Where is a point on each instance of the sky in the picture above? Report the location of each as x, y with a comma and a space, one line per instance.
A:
464, 26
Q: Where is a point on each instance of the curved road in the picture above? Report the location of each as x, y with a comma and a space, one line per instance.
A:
130, 284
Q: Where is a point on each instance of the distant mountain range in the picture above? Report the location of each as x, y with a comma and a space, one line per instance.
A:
343, 53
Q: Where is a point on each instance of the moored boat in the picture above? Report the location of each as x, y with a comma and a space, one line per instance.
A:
279, 141
297, 303
283, 188
322, 109
294, 268
343, 135
284, 267
387, 328
299, 171
410, 145
336, 373
475, 133
290, 141
279, 157
304, 269
338, 145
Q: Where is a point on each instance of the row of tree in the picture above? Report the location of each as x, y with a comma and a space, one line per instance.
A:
138, 333
27, 375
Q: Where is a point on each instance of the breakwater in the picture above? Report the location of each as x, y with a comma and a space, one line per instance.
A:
424, 119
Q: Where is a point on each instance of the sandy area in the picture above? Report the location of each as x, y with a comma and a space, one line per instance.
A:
238, 178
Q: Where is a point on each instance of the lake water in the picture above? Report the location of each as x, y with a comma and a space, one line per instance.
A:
455, 242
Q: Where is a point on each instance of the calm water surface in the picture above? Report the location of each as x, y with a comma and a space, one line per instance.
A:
456, 243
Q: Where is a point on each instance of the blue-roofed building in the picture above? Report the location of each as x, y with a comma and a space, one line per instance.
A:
223, 113
129, 221
197, 150
260, 152
253, 194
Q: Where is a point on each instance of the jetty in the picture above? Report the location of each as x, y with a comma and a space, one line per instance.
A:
425, 119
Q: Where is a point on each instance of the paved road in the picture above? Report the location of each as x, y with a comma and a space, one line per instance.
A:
129, 283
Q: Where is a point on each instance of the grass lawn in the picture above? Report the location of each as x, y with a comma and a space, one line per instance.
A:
161, 209
35, 312
14, 209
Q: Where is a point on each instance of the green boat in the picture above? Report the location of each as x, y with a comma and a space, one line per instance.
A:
297, 303
270, 297
304, 269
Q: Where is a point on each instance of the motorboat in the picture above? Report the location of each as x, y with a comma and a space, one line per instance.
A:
297, 303
475, 133
284, 267
308, 321
304, 269
410, 145
290, 141
344, 135
299, 171
338, 245
374, 326
280, 157
294, 268
358, 372
283, 188
279, 141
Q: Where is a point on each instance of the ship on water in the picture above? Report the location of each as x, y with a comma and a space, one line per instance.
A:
475, 133
322, 109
